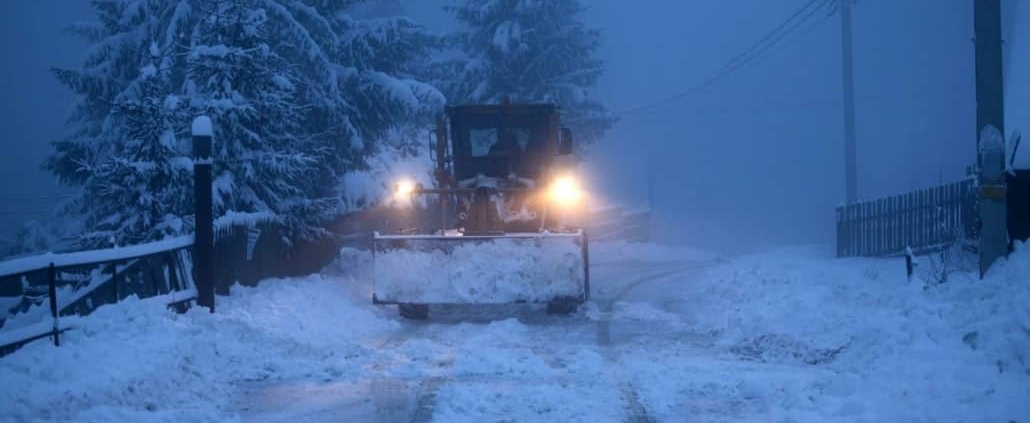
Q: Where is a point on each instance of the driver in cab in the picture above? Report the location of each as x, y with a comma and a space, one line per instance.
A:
506, 145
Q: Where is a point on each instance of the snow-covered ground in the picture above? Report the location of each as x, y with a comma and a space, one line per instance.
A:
792, 335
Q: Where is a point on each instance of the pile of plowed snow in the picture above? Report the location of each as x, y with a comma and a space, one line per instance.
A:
797, 335
500, 271
137, 361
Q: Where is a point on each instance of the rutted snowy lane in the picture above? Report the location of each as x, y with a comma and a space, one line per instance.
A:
670, 335
484, 363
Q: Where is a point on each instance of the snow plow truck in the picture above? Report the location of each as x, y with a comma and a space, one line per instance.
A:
501, 223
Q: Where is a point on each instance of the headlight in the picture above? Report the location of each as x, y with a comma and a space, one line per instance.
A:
404, 189
565, 190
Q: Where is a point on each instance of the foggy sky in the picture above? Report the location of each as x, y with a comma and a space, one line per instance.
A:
758, 159
755, 160
34, 106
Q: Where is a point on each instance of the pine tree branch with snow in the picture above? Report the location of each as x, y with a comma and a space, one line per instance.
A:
529, 51
299, 92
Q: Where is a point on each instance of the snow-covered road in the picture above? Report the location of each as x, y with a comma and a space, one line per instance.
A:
670, 335
488, 363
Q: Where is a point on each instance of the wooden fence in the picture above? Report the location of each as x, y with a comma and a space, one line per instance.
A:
922, 220
43, 295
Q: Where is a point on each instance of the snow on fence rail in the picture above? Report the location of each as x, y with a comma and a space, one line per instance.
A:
79, 258
36, 292
922, 220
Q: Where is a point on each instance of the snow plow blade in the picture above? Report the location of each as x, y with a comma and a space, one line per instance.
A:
495, 269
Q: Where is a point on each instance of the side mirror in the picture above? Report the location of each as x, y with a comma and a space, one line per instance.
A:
1016, 138
565, 143
432, 144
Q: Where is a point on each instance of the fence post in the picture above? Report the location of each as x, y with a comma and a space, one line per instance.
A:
52, 277
203, 270
840, 234
114, 282
866, 225
897, 225
924, 228
910, 262
892, 207
881, 226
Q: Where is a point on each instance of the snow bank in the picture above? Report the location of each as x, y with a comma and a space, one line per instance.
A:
796, 335
497, 271
137, 361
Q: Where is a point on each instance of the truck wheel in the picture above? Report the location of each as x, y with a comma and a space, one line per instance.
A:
414, 311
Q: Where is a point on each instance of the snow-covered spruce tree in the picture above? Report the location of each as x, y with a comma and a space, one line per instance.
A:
356, 80
111, 63
141, 189
295, 87
266, 165
389, 56
121, 149
381, 87
530, 51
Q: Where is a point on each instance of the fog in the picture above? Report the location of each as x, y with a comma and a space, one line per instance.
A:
34, 106
757, 158
754, 160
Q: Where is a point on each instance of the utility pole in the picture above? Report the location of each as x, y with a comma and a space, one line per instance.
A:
850, 161
989, 70
990, 128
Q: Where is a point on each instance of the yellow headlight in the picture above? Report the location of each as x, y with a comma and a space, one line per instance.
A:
404, 188
565, 190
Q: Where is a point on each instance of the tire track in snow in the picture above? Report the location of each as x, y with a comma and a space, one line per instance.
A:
637, 412
395, 400
376, 397
414, 398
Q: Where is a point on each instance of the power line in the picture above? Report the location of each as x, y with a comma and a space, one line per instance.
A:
800, 35
755, 51
927, 103
805, 105
776, 36
758, 44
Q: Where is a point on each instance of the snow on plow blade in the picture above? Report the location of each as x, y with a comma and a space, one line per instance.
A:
510, 268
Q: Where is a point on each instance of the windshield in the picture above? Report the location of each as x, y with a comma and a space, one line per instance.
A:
494, 141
